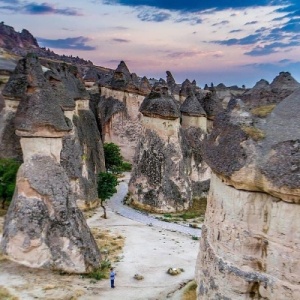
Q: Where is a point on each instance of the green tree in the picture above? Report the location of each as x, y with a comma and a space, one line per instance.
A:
8, 174
113, 157
107, 183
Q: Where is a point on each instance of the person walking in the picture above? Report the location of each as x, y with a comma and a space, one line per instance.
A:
112, 278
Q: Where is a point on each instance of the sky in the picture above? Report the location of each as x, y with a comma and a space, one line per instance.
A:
235, 42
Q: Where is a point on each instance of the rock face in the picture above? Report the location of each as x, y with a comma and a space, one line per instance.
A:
159, 180
249, 247
44, 227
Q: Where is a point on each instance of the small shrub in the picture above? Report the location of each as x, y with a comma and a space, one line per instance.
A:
195, 238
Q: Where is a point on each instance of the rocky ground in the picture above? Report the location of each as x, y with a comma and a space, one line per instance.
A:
148, 251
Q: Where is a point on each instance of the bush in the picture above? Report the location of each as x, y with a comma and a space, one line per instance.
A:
113, 159
8, 174
126, 166
101, 272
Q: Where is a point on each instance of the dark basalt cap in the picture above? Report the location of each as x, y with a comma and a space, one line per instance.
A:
192, 107
73, 87
158, 104
40, 111
27, 74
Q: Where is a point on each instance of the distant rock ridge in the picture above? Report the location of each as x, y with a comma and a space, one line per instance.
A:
10, 39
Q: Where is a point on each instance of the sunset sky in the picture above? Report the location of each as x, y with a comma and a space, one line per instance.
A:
234, 42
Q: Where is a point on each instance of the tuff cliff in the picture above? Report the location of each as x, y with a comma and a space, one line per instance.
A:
249, 247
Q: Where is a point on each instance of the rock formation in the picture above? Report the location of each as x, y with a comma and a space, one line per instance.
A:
44, 227
82, 154
119, 109
159, 179
264, 93
250, 241
193, 130
10, 39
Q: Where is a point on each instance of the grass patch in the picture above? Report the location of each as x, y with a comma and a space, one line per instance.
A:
190, 291
110, 246
262, 111
255, 133
100, 273
6, 295
167, 215
189, 215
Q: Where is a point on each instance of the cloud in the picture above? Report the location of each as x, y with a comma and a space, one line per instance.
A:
189, 19
271, 48
153, 16
277, 66
190, 54
251, 23
221, 23
248, 40
76, 43
192, 5
120, 40
38, 9
10, 1
235, 30
182, 54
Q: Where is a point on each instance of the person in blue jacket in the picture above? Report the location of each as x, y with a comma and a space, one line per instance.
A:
112, 278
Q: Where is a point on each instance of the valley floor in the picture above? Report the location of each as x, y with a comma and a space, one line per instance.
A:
149, 251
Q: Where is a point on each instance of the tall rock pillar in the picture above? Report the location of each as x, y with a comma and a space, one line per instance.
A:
159, 179
44, 228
